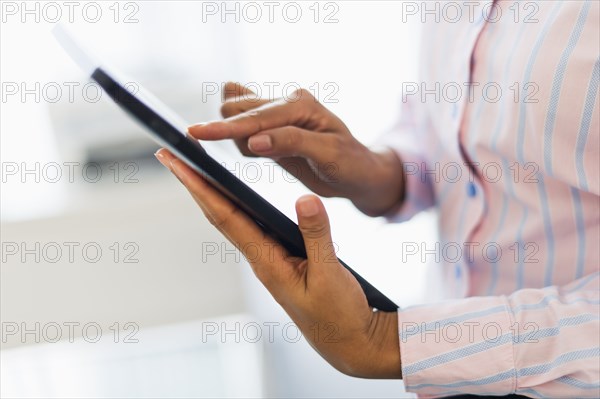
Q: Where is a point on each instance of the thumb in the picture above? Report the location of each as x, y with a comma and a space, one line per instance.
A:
314, 225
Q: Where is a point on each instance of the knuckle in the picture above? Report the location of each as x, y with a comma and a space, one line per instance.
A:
338, 148
255, 117
230, 87
232, 90
217, 222
336, 142
229, 108
316, 231
293, 139
300, 95
303, 112
304, 94
308, 106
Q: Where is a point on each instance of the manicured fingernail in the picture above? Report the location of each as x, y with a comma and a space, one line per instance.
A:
307, 206
260, 143
161, 158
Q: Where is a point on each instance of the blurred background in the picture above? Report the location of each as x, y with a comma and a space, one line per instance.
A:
112, 283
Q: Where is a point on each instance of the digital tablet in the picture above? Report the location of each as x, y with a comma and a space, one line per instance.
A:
164, 128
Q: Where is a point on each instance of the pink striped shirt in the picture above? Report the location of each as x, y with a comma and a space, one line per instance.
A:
512, 165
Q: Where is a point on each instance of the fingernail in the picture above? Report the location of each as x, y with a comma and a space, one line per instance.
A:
260, 143
161, 158
307, 206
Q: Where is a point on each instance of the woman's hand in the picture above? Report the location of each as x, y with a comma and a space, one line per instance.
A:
319, 294
312, 144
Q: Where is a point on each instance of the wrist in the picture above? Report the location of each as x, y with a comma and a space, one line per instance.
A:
387, 346
377, 353
382, 186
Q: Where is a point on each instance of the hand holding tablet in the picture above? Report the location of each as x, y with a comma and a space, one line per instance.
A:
318, 293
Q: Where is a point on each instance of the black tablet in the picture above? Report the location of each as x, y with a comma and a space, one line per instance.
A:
164, 130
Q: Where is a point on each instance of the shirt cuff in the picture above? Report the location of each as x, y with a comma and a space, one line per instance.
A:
458, 347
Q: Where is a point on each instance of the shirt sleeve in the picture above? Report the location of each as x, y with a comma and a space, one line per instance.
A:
403, 139
535, 342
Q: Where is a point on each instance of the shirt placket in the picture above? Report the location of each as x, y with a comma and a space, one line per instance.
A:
470, 185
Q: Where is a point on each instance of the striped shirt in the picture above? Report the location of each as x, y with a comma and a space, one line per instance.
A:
511, 162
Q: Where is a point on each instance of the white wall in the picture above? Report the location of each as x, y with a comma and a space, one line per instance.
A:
169, 283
